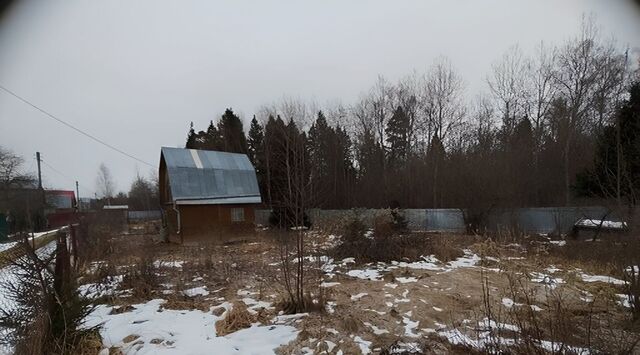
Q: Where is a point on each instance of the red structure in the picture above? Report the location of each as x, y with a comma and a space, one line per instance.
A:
61, 207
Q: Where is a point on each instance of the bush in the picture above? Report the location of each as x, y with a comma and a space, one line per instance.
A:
385, 243
142, 278
398, 221
49, 310
282, 217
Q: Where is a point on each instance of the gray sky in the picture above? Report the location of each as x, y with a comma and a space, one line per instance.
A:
135, 73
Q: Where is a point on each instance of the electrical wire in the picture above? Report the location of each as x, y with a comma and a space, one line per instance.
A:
63, 175
73, 127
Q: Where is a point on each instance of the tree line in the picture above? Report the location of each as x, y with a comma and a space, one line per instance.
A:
540, 136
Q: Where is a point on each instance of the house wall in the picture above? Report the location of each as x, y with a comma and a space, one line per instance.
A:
209, 223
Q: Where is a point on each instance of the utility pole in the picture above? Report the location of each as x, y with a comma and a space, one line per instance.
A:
77, 197
39, 171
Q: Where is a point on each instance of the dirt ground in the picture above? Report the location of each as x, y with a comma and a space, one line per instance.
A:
409, 306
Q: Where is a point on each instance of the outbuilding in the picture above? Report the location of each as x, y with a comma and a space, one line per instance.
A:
207, 196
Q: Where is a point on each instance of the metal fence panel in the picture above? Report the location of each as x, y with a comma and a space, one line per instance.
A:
144, 215
444, 220
545, 220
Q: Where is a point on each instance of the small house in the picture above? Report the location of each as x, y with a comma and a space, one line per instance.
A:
207, 195
61, 207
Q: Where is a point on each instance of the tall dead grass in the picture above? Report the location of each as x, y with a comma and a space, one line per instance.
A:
542, 319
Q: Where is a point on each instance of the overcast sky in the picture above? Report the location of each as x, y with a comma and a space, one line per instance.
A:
135, 73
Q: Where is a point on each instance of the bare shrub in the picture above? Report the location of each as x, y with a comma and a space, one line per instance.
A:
632, 289
540, 319
445, 249
611, 256
311, 302
387, 242
142, 277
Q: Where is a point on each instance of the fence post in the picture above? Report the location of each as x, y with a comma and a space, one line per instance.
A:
62, 267
74, 245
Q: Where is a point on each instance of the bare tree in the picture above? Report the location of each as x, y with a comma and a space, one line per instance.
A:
105, 183
583, 69
507, 84
11, 174
444, 105
294, 193
381, 106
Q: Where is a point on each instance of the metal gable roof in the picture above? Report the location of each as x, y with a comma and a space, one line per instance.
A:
210, 177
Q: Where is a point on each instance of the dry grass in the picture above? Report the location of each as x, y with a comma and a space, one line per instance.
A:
141, 278
310, 302
235, 319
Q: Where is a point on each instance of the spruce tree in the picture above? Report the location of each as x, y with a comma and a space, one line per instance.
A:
255, 142
191, 137
397, 136
230, 128
212, 139
617, 161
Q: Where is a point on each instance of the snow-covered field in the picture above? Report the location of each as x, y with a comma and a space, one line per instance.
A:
150, 329
402, 305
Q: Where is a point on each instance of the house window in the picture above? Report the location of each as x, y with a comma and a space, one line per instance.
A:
237, 215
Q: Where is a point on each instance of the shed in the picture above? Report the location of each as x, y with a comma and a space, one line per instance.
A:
207, 195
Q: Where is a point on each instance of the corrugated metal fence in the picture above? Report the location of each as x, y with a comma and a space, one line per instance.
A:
143, 215
530, 220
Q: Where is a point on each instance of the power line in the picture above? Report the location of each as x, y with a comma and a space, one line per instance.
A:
62, 174
73, 127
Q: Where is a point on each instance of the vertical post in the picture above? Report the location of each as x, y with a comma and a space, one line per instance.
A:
39, 171
74, 245
77, 197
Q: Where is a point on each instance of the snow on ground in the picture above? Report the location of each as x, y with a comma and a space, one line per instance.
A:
600, 278
373, 272
253, 305
366, 274
365, 346
546, 279
150, 329
196, 291
486, 336
468, 260
163, 263
427, 263
596, 223
409, 327
329, 284
376, 330
404, 280
358, 296
107, 288
624, 300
